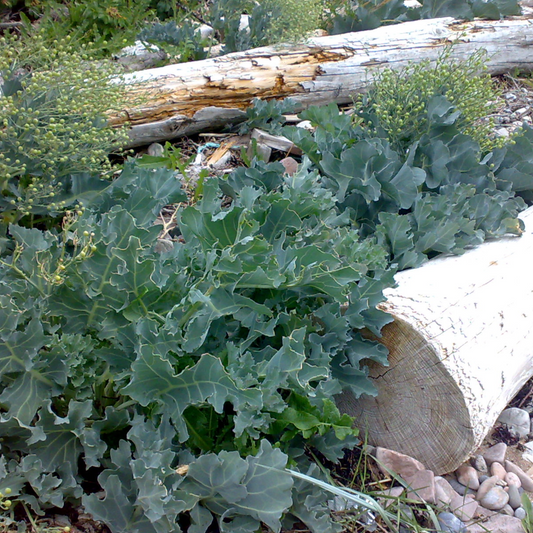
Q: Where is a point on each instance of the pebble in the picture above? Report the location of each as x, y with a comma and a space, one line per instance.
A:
508, 510
517, 421
464, 508
527, 482
156, 150
390, 495
467, 476
444, 492
422, 487
291, 167
512, 479
520, 513
487, 485
495, 499
460, 489
479, 463
449, 523
496, 453
515, 499
398, 463
497, 469
498, 523
483, 478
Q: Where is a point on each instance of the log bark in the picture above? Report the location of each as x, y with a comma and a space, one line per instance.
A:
191, 97
461, 346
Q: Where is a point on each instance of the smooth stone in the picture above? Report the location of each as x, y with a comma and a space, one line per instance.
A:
508, 510
483, 478
398, 463
517, 421
290, 164
520, 513
467, 476
390, 496
464, 508
156, 150
495, 499
496, 453
487, 485
444, 492
449, 523
422, 487
479, 463
497, 469
527, 482
498, 523
460, 489
515, 499
512, 479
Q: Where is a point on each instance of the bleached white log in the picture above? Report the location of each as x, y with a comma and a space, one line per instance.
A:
190, 97
461, 346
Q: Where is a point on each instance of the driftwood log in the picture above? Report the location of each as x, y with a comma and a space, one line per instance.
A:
461, 346
203, 95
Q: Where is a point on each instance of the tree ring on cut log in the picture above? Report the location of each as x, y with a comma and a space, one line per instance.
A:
409, 402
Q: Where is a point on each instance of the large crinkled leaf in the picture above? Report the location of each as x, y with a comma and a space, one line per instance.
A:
395, 232
62, 445
118, 512
354, 171
257, 487
154, 380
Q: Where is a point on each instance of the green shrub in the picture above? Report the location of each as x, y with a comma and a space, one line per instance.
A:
399, 100
52, 122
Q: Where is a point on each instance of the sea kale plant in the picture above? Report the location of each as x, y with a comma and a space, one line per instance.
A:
151, 375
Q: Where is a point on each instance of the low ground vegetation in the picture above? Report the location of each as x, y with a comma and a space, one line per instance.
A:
193, 389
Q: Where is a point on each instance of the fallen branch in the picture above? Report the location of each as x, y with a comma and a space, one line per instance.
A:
191, 97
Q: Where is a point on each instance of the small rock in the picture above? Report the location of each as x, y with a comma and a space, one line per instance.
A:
390, 495
503, 132
449, 523
397, 463
467, 476
497, 469
156, 150
508, 510
444, 492
512, 479
487, 485
483, 478
498, 523
291, 167
517, 421
495, 499
515, 499
496, 453
479, 463
464, 508
527, 482
460, 489
306, 125
422, 487
520, 513
163, 245
206, 31
510, 96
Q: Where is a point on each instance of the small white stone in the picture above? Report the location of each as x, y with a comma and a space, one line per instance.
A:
520, 513
517, 421
502, 132
206, 31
